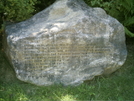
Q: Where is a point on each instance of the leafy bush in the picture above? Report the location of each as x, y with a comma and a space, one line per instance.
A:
42, 4
15, 10
123, 10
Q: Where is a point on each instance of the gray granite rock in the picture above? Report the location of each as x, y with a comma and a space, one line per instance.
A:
67, 43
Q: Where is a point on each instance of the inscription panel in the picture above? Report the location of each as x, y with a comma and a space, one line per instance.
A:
41, 56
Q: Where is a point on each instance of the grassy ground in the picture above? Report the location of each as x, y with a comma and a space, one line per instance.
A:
118, 86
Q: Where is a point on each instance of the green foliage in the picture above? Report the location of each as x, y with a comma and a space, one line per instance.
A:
105, 4
123, 10
15, 10
42, 4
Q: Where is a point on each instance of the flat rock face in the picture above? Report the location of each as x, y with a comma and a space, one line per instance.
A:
67, 43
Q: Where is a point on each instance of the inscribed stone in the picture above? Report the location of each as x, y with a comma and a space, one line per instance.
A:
67, 43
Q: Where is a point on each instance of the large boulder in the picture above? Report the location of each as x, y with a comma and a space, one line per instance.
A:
67, 43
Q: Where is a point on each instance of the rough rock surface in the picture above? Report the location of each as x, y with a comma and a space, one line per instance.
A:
67, 43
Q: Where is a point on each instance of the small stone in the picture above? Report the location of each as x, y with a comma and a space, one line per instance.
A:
67, 43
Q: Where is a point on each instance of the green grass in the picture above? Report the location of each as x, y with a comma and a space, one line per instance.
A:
118, 86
